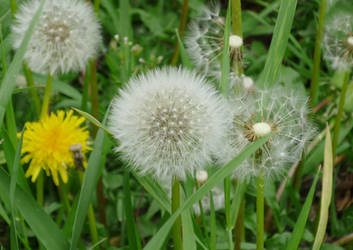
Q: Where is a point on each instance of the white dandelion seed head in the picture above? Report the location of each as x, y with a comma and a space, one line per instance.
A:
204, 41
169, 122
66, 37
338, 40
279, 110
218, 201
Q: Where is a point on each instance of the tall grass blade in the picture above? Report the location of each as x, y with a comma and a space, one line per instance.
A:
299, 227
326, 192
279, 43
225, 67
236, 202
9, 81
41, 224
158, 239
184, 55
188, 230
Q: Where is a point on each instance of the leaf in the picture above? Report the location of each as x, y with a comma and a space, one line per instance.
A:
184, 55
157, 241
9, 81
41, 224
88, 186
236, 202
279, 43
155, 190
299, 227
326, 191
13, 183
93, 120
188, 230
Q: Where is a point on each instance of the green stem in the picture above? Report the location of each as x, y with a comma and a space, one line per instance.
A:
239, 227
94, 94
339, 113
46, 98
32, 91
182, 24
40, 188
64, 196
237, 30
13, 6
86, 82
91, 218
317, 56
227, 201
213, 234
230, 239
260, 212
175, 206
96, 5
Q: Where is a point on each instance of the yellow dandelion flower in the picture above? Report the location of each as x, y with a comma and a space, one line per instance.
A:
46, 144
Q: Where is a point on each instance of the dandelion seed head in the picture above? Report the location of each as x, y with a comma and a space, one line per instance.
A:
65, 38
177, 105
280, 111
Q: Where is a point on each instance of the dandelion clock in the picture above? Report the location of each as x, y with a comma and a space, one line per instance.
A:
66, 37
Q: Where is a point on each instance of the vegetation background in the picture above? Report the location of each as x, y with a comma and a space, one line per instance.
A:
135, 208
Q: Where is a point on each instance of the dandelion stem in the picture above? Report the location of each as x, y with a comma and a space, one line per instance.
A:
227, 201
239, 226
317, 56
182, 25
339, 113
94, 94
96, 5
175, 206
260, 212
32, 91
39, 187
91, 218
46, 98
13, 8
237, 30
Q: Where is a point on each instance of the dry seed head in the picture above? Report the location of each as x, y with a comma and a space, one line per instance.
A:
235, 41
169, 122
66, 37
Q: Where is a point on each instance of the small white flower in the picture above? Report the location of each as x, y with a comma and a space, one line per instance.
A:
168, 122
204, 42
338, 39
65, 38
279, 111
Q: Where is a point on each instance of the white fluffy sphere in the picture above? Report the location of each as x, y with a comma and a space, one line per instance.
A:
65, 38
168, 122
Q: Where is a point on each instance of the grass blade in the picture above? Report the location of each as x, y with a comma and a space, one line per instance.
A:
88, 185
326, 191
184, 55
299, 227
157, 241
279, 43
225, 67
237, 199
9, 81
41, 224
155, 190
93, 120
13, 183
188, 230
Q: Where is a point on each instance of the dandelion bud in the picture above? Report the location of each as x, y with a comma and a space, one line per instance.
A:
261, 129
201, 176
66, 37
235, 41
116, 37
136, 49
169, 122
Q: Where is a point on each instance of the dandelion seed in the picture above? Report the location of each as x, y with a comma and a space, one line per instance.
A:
204, 42
338, 37
277, 111
158, 148
66, 37
49, 144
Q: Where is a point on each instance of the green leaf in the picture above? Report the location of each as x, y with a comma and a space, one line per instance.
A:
236, 202
90, 118
9, 81
88, 187
157, 241
184, 55
326, 191
279, 43
13, 183
299, 227
188, 230
155, 190
41, 224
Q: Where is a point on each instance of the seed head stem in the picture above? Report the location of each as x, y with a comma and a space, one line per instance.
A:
260, 212
177, 238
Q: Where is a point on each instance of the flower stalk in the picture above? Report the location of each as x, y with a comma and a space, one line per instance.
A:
46, 98
237, 30
177, 237
314, 86
260, 212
